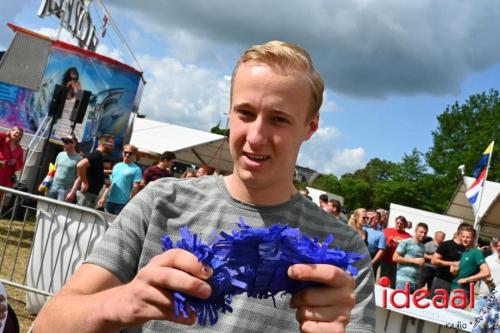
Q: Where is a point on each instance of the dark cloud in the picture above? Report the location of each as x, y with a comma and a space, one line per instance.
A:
363, 48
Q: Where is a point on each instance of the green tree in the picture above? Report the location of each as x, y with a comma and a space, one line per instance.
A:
356, 192
463, 133
328, 183
221, 131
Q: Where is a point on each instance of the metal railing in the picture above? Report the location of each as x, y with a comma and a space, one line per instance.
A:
43, 241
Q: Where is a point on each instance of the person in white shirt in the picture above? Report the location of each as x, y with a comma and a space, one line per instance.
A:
493, 262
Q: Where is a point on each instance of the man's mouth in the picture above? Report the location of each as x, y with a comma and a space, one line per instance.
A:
256, 157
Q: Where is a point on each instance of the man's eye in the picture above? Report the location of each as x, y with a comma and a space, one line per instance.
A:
244, 113
281, 120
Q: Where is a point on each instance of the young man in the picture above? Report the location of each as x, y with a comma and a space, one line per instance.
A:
160, 170
493, 262
410, 258
323, 202
65, 174
472, 266
128, 280
447, 254
91, 174
336, 210
125, 180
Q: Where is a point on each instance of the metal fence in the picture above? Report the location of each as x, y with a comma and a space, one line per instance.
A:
43, 241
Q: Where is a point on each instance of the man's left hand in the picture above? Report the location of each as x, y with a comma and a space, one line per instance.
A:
327, 308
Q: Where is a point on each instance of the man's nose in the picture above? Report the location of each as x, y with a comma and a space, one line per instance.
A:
258, 132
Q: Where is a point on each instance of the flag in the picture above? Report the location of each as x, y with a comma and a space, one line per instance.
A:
104, 25
479, 175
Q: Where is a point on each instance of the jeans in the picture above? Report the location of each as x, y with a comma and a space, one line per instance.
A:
402, 284
439, 283
114, 208
389, 270
86, 199
57, 193
479, 303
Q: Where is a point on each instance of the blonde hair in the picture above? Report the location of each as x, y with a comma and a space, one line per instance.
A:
133, 148
354, 217
287, 57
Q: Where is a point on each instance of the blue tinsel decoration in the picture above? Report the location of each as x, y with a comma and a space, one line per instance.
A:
253, 261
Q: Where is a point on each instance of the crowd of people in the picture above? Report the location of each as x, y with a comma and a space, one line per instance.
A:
417, 261
94, 180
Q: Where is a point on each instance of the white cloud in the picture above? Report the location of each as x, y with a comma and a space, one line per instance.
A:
109, 52
362, 48
64, 35
184, 94
319, 153
329, 106
347, 160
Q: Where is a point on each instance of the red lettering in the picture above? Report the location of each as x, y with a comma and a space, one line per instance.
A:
441, 294
384, 298
405, 292
419, 295
459, 294
471, 294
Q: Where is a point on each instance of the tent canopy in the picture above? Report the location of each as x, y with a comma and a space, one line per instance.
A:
489, 210
190, 146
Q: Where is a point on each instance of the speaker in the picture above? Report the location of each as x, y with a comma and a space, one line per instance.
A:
81, 102
58, 100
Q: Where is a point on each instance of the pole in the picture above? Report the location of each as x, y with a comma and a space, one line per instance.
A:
44, 150
477, 219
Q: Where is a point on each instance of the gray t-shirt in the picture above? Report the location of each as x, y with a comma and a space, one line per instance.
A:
205, 206
409, 248
430, 248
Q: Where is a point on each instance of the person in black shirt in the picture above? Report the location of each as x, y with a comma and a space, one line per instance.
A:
91, 173
447, 255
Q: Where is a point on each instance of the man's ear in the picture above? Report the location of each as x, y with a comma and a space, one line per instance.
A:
312, 126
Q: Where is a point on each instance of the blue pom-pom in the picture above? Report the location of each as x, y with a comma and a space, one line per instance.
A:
254, 261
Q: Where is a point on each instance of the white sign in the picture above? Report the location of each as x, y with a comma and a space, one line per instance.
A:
75, 17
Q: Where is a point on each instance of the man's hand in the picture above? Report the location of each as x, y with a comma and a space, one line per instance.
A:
84, 187
454, 268
419, 261
101, 203
149, 295
323, 309
462, 281
70, 197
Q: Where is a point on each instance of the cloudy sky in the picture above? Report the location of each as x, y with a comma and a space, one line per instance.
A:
390, 67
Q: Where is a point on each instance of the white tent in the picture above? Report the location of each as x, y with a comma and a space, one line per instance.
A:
489, 210
190, 146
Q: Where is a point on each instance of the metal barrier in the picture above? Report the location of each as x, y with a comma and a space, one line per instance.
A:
43, 241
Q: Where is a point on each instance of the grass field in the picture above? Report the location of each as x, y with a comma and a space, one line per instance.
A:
14, 256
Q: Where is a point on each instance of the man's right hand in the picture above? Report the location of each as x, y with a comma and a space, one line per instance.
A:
84, 187
70, 197
419, 261
149, 295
